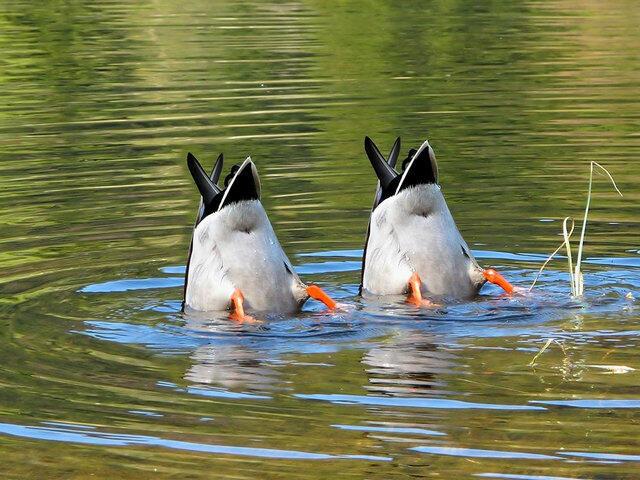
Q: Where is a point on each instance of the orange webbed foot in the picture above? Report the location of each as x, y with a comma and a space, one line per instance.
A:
415, 293
317, 293
237, 314
497, 279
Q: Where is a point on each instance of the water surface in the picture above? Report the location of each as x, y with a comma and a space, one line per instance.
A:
102, 375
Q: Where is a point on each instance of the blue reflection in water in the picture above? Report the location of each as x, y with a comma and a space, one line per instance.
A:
134, 284
591, 403
412, 402
94, 437
477, 453
614, 457
145, 413
402, 430
219, 393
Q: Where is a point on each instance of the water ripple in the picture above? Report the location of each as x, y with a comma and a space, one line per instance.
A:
95, 437
412, 402
477, 453
595, 403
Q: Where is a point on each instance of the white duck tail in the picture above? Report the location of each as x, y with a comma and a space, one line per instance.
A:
413, 245
236, 261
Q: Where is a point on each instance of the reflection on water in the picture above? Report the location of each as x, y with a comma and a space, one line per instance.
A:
231, 367
410, 364
80, 434
101, 373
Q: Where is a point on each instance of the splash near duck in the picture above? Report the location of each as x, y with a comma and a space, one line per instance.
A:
235, 261
413, 245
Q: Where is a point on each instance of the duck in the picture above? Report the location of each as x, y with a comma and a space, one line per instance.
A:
413, 246
235, 260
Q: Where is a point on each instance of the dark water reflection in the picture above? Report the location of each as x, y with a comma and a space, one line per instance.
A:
102, 375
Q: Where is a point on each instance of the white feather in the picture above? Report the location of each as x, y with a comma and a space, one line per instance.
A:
236, 247
413, 231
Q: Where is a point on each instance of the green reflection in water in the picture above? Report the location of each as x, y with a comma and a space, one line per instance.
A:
100, 103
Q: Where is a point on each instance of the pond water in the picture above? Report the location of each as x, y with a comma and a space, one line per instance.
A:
102, 375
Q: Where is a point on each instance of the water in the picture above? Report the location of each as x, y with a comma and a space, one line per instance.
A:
102, 375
